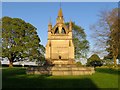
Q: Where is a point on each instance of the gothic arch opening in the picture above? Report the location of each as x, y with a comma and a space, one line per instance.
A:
56, 31
63, 31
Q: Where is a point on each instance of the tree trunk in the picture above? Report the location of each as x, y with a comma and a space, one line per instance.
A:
115, 54
10, 63
114, 58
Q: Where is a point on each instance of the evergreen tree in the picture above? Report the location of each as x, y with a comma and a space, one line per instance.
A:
19, 40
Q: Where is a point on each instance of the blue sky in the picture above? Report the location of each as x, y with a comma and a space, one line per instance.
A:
38, 14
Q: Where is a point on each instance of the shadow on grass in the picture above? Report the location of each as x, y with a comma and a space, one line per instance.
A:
16, 78
48, 83
108, 70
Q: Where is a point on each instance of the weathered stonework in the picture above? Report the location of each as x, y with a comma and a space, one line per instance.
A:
60, 48
61, 70
71, 70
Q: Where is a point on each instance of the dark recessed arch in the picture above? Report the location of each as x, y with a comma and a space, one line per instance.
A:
56, 31
63, 31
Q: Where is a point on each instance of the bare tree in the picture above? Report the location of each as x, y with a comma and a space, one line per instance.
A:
106, 33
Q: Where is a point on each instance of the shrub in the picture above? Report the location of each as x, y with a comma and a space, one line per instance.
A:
78, 63
94, 61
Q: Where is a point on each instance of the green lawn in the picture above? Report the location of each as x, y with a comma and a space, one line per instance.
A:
17, 78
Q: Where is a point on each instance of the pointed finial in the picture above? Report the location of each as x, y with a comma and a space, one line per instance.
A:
70, 21
60, 14
60, 18
50, 21
70, 25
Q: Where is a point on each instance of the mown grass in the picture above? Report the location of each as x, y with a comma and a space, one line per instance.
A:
17, 78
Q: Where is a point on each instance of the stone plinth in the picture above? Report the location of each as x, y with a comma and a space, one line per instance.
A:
39, 70
60, 70
67, 70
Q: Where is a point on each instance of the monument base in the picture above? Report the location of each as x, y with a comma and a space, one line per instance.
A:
71, 70
61, 69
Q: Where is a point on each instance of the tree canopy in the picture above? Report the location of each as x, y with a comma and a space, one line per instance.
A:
94, 60
80, 43
20, 40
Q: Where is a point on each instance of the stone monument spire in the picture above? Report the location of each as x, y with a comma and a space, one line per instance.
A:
59, 47
49, 25
60, 18
70, 26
